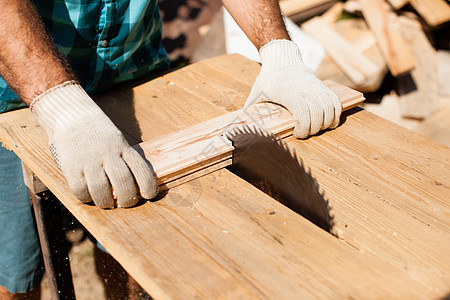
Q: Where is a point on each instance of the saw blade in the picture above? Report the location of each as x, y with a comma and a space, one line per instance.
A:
268, 163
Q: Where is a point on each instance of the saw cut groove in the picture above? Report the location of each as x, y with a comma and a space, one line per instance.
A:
265, 161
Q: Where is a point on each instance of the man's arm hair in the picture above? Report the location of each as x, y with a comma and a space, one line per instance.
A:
261, 20
29, 60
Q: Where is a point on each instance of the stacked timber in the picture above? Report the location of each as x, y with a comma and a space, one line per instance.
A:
394, 48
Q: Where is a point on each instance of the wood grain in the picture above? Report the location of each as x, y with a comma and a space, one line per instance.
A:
219, 237
394, 49
390, 176
201, 147
224, 244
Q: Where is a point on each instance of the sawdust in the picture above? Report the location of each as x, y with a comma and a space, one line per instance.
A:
86, 282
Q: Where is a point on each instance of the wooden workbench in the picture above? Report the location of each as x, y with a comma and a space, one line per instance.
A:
219, 237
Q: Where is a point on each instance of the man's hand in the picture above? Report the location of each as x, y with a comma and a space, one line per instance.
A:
285, 80
91, 152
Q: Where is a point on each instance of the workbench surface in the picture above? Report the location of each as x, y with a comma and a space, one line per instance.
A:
220, 237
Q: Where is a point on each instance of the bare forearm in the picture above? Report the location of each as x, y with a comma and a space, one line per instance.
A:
29, 61
261, 20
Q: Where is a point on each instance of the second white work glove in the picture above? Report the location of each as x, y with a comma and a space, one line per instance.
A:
285, 80
90, 150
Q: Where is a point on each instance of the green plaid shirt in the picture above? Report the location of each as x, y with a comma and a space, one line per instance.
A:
106, 41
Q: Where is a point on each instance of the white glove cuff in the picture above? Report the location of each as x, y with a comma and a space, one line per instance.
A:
62, 105
280, 54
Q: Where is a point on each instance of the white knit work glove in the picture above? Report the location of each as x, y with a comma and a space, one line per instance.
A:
91, 152
285, 80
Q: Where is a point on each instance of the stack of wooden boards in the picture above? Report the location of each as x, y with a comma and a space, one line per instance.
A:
218, 237
366, 39
303, 10
434, 12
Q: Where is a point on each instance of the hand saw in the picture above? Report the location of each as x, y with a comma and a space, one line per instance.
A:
205, 147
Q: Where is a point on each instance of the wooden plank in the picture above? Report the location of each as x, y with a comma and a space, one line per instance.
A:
31, 181
218, 237
388, 108
334, 13
227, 243
246, 74
227, 94
415, 217
394, 49
291, 7
356, 32
437, 126
353, 7
397, 4
435, 12
365, 42
307, 13
443, 66
418, 90
196, 174
191, 150
152, 111
438, 204
352, 62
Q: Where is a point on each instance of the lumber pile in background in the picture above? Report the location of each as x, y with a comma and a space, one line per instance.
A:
366, 38
393, 50
305, 9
